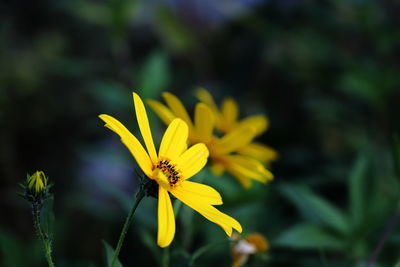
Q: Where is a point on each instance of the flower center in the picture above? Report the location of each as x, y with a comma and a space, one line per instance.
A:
170, 172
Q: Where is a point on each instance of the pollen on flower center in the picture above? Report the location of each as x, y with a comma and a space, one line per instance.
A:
169, 170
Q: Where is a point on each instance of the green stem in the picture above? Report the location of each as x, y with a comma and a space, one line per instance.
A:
165, 258
128, 221
46, 242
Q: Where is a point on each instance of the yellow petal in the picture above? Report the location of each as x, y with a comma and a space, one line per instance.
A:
162, 111
230, 110
244, 180
192, 160
39, 185
200, 192
161, 179
259, 151
209, 212
174, 140
204, 96
130, 141
204, 122
217, 168
248, 162
248, 167
166, 219
177, 108
144, 126
260, 123
223, 163
234, 140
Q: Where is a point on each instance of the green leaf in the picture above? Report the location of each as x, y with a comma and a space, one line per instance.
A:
309, 236
154, 76
109, 254
315, 208
357, 188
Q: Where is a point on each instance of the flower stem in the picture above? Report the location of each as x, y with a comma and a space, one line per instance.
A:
165, 257
46, 242
128, 221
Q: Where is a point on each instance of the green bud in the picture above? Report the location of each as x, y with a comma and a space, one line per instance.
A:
37, 183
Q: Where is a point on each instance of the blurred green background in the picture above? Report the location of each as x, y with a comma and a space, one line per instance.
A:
325, 72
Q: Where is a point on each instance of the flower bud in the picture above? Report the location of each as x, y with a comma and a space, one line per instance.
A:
37, 182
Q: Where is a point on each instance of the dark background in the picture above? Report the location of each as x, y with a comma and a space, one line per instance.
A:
325, 72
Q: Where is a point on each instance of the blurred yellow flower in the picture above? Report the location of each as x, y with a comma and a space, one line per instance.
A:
227, 120
222, 149
37, 182
252, 244
171, 168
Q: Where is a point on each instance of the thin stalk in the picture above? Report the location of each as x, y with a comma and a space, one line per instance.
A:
46, 242
390, 227
128, 221
165, 258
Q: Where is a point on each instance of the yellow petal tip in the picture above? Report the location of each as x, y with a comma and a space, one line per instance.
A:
136, 98
163, 244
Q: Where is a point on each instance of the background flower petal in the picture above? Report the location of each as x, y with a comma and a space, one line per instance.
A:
229, 110
259, 151
236, 139
177, 107
260, 123
162, 111
204, 122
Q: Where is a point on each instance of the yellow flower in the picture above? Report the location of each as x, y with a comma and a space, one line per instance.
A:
171, 168
226, 121
37, 182
252, 244
243, 167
